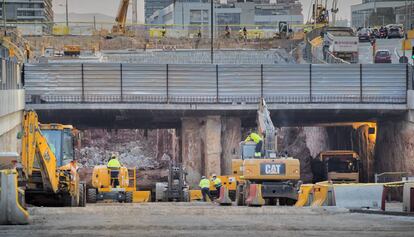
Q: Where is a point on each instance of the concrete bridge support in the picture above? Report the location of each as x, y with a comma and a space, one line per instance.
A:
208, 145
11, 114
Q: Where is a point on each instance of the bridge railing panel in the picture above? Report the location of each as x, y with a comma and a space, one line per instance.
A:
189, 84
239, 83
102, 82
283, 84
384, 84
54, 82
293, 83
144, 83
332, 83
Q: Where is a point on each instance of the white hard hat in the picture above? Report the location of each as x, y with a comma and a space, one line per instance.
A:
203, 177
214, 175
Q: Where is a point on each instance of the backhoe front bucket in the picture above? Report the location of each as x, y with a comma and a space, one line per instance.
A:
12, 210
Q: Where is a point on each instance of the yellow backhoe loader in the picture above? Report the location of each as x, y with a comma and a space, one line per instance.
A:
271, 178
46, 173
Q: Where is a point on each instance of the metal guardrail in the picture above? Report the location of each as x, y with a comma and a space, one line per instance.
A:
209, 83
10, 76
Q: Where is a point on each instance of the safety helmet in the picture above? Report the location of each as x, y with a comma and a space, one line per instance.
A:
203, 177
214, 175
113, 156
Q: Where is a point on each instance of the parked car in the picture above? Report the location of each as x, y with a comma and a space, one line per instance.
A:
395, 32
364, 35
382, 56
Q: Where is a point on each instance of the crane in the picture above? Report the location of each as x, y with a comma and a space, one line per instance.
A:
121, 17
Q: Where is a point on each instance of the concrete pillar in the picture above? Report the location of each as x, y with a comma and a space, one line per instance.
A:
230, 141
212, 144
192, 150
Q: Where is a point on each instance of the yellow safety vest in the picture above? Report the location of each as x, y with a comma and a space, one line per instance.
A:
255, 137
114, 163
204, 183
217, 182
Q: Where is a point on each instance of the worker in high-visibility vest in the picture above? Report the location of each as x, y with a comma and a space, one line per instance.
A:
217, 184
114, 165
205, 188
259, 143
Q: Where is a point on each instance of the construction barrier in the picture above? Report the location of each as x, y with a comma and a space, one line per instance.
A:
305, 197
12, 210
254, 196
141, 196
224, 198
195, 195
355, 196
408, 197
351, 196
322, 195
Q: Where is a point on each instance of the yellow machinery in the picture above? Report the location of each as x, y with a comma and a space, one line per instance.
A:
268, 178
103, 187
338, 166
121, 17
48, 168
71, 50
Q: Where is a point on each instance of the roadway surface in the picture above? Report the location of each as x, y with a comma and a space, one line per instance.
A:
393, 45
204, 219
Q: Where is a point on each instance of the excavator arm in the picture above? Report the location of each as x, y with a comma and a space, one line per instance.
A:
265, 126
121, 17
36, 150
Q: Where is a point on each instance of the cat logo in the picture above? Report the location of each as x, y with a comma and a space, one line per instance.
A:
272, 169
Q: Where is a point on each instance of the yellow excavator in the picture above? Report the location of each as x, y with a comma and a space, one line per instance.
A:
46, 173
271, 179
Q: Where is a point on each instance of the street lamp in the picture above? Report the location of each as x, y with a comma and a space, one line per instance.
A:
212, 30
4, 17
66, 12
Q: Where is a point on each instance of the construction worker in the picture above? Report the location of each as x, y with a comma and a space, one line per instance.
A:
163, 32
259, 142
114, 165
205, 188
217, 184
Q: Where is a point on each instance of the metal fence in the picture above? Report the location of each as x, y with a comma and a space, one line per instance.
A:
209, 83
10, 75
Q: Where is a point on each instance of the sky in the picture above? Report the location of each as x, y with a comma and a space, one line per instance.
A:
109, 7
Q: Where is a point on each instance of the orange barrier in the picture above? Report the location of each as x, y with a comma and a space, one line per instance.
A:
254, 197
224, 198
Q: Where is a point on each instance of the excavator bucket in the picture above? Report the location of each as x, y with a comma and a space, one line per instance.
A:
12, 208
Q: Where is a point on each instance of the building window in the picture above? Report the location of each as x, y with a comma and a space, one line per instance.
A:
198, 17
228, 19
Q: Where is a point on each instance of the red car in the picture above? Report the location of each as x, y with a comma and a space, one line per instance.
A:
382, 56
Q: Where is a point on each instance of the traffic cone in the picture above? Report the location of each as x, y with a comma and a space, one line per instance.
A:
224, 198
255, 196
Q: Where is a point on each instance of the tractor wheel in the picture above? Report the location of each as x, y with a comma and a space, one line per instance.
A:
82, 196
91, 195
128, 197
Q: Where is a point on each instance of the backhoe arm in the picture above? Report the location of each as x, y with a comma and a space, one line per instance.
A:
36, 149
121, 15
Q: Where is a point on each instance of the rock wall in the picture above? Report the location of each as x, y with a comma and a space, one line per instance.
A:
395, 147
208, 145
364, 145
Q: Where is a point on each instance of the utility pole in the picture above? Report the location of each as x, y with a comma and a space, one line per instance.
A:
67, 15
405, 27
212, 30
4, 18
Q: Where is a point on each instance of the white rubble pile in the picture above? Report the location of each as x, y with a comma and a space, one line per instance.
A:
130, 154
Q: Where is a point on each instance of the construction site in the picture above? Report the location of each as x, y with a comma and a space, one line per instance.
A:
230, 118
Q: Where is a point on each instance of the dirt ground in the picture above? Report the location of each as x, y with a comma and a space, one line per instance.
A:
201, 219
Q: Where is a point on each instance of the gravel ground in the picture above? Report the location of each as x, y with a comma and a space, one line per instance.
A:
201, 219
